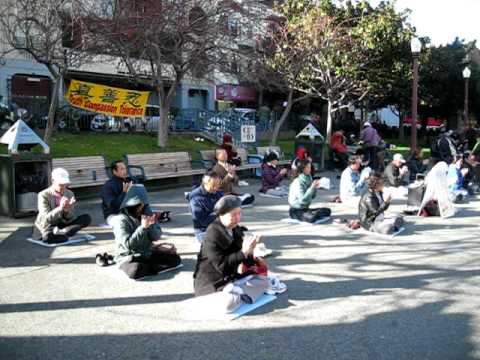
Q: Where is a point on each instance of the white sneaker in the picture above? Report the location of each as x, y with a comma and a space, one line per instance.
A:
261, 251
275, 286
243, 183
58, 231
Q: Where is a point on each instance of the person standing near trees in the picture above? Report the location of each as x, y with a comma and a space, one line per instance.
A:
370, 138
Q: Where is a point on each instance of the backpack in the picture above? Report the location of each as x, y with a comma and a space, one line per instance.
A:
434, 148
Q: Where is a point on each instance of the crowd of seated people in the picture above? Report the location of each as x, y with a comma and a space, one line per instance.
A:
230, 261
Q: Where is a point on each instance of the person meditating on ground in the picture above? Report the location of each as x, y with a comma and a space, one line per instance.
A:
136, 237
436, 200
202, 201
272, 176
372, 209
352, 182
302, 191
232, 155
229, 177
339, 147
457, 187
396, 177
56, 220
114, 191
223, 252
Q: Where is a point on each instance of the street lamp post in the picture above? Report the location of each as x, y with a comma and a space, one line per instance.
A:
416, 47
466, 75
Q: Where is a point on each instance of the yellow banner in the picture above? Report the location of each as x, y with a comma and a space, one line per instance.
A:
106, 99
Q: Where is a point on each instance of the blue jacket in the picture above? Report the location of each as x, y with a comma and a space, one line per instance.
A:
455, 178
201, 204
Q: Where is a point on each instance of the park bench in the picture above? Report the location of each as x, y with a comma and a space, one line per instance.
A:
156, 166
263, 150
208, 159
84, 171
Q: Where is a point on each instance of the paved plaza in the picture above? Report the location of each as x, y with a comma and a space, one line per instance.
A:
350, 295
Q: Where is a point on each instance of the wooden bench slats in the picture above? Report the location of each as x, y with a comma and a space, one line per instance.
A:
163, 165
84, 171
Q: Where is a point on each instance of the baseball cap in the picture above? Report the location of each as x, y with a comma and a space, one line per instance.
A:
60, 176
399, 157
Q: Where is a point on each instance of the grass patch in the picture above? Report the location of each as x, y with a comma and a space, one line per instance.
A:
113, 146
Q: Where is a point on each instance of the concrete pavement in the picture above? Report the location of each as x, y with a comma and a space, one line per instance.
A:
350, 296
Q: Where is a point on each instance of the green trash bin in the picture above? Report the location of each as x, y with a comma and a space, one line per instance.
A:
311, 139
23, 174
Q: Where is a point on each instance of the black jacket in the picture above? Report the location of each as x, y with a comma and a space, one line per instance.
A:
369, 208
112, 196
218, 259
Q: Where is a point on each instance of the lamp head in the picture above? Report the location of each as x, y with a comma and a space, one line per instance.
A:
416, 46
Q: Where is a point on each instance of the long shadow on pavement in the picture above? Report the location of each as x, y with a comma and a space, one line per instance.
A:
424, 332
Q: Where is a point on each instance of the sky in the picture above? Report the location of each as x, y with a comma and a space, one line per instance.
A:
443, 20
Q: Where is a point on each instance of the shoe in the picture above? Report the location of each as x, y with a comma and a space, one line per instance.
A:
104, 260
275, 286
58, 231
261, 251
233, 289
243, 183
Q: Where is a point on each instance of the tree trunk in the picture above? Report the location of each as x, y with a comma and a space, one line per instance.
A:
401, 130
52, 110
329, 123
163, 125
260, 98
282, 119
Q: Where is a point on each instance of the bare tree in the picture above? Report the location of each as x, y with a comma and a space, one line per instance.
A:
277, 64
160, 43
36, 28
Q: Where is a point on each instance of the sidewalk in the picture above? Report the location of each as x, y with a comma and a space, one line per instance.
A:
350, 296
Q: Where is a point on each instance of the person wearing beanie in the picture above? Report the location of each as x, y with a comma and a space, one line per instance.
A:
272, 176
137, 238
56, 220
223, 250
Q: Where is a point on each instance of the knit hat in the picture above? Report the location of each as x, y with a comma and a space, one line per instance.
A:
227, 204
272, 155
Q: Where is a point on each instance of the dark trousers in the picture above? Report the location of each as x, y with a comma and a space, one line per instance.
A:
342, 158
69, 229
139, 266
309, 215
370, 154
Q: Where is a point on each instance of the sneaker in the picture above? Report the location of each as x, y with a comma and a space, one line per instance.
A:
275, 286
58, 231
243, 183
261, 251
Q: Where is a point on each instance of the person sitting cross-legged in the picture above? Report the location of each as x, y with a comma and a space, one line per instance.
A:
457, 187
202, 201
353, 182
396, 177
56, 220
272, 175
115, 189
302, 191
136, 236
372, 209
222, 253
229, 177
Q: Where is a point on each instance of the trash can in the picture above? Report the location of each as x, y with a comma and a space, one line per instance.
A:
311, 139
23, 174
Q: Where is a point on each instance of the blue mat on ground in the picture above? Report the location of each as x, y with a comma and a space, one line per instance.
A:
73, 240
298, 222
